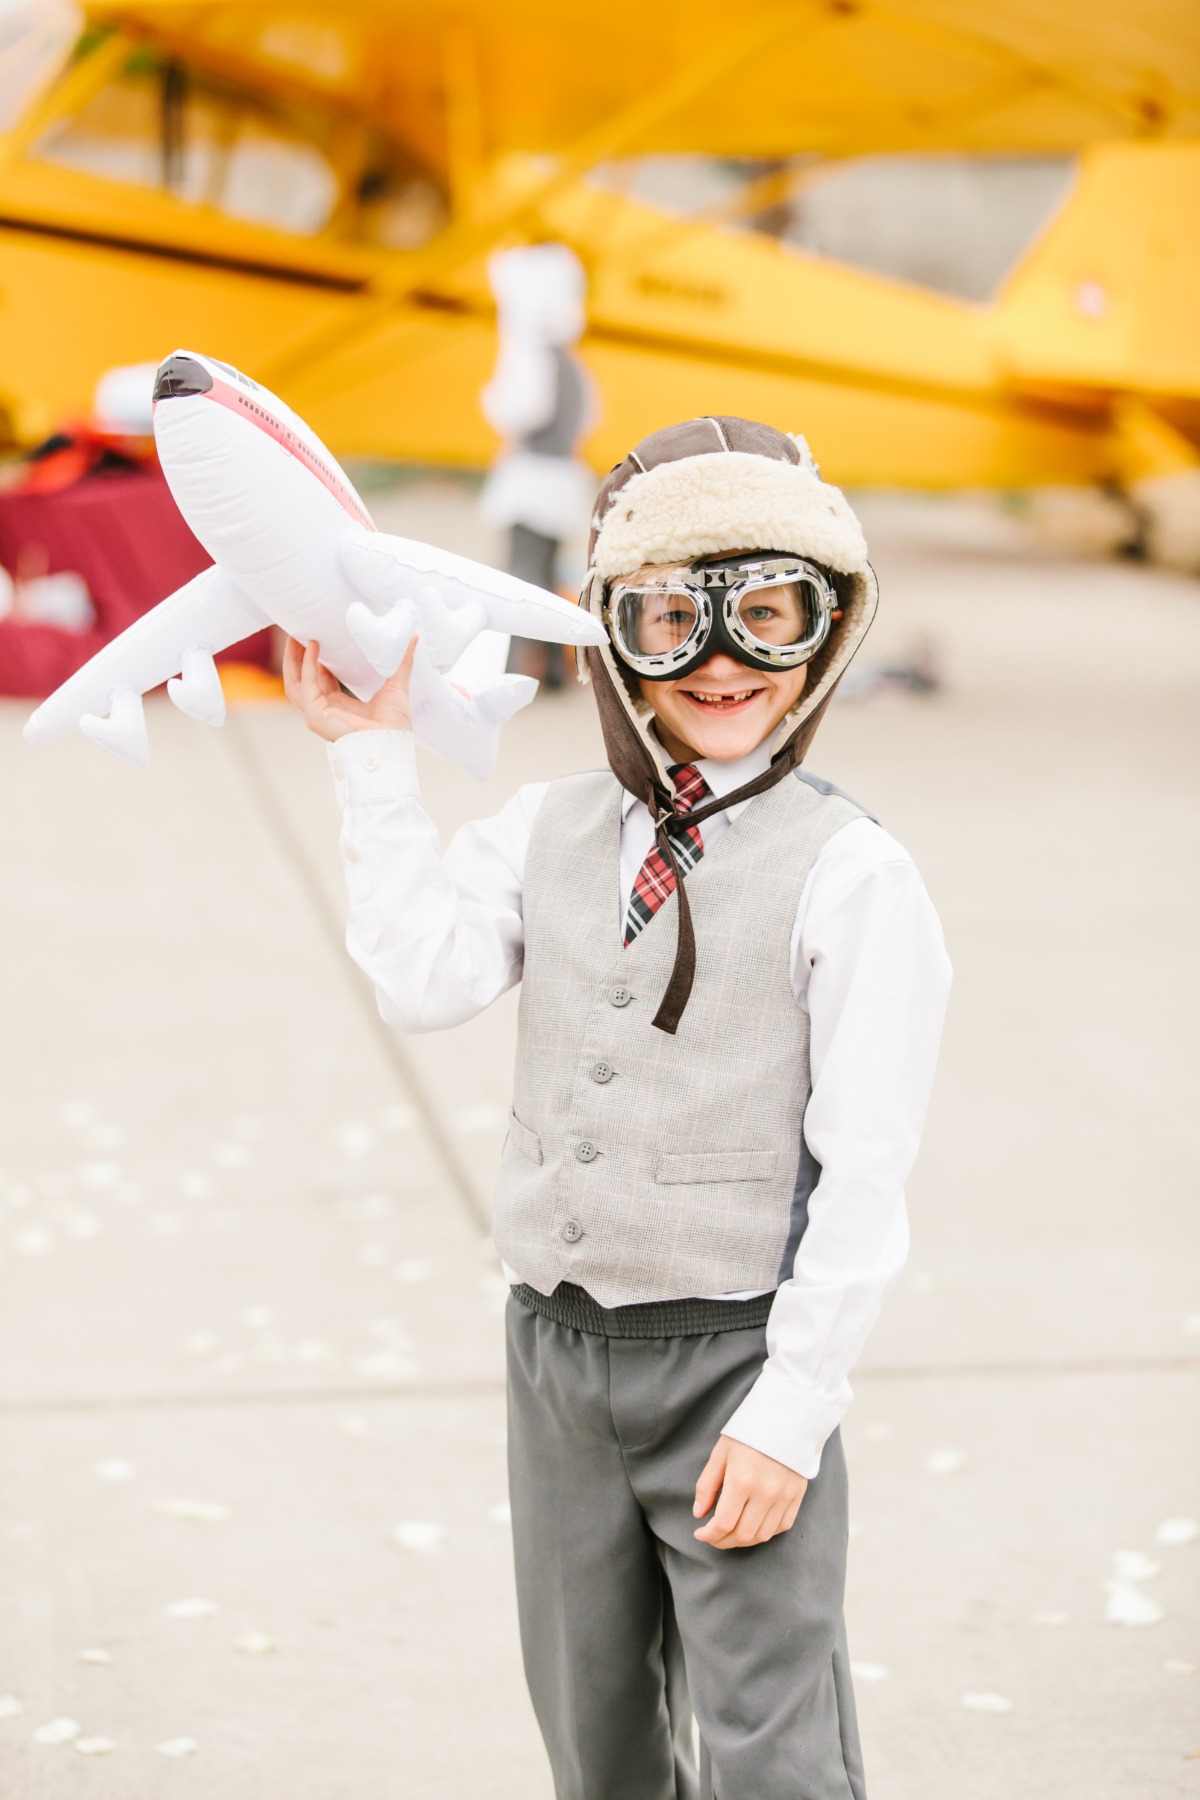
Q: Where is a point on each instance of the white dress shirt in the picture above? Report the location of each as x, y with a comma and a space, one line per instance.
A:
441, 936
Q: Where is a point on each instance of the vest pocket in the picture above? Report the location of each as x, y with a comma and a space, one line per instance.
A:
523, 1139
717, 1166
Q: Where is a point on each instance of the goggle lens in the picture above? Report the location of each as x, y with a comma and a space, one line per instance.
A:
777, 616
653, 621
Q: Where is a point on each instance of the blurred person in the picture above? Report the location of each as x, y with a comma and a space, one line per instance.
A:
541, 402
733, 989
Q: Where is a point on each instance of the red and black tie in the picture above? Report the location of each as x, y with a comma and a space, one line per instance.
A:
656, 878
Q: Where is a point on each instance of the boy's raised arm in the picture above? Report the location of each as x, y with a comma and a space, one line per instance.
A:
439, 937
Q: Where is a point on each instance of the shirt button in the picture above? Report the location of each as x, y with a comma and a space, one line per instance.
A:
620, 996
602, 1071
370, 764
587, 1151
572, 1231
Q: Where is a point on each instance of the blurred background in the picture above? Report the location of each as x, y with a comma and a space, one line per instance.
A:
253, 1536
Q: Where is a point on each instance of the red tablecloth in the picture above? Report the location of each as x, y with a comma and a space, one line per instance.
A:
125, 535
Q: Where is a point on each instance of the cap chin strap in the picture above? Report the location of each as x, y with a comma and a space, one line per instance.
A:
638, 773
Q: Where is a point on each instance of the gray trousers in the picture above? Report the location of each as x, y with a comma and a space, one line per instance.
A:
627, 1623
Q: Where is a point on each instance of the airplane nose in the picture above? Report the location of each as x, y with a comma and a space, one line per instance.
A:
181, 375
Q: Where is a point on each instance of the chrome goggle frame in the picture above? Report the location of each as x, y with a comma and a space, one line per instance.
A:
716, 590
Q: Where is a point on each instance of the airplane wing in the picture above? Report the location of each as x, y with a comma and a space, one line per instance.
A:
392, 570
179, 638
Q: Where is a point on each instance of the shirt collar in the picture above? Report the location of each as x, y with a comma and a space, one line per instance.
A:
722, 777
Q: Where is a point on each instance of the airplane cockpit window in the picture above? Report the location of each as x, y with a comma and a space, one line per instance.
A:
159, 126
398, 210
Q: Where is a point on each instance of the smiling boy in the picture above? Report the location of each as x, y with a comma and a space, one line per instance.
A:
732, 991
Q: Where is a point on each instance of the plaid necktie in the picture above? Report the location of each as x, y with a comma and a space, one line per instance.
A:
656, 878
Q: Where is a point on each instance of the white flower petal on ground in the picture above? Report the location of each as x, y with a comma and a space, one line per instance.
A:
199, 1512
100, 1174
195, 1186
382, 1365
78, 1114
181, 1746
10, 1706
313, 1352
257, 1318
414, 1268
501, 1513
1050, 1618
419, 1535
115, 1468
230, 1156
374, 1256
1174, 1665
83, 1225
354, 1138
33, 1240
56, 1731
388, 1331
100, 1657
1191, 1325
364, 1209
255, 1643
1132, 1565
200, 1343
1129, 1605
945, 1462
94, 1746
399, 1117
1173, 1533
105, 1137
190, 1609
354, 1425
869, 1671
987, 1703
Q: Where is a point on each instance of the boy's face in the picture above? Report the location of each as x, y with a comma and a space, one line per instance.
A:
724, 709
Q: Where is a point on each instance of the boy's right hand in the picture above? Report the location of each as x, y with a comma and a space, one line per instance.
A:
328, 710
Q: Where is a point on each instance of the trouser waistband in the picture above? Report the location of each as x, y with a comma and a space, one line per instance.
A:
574, 1307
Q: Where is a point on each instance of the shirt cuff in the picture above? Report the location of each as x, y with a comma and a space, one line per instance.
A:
371, 768
784, 1422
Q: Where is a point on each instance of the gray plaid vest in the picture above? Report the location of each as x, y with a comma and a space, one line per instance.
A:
639, 1165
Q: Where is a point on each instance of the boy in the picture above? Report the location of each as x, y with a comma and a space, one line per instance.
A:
733, 985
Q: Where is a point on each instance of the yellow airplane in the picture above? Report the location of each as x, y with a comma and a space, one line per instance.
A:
313, 191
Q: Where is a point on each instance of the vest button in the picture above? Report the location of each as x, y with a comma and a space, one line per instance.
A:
572, 1231
587, 1151
620, 996
602, 1071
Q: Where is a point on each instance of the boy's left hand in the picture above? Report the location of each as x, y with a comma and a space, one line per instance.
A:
759, 1497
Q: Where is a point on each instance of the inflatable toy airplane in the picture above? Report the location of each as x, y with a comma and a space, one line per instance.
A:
293, 545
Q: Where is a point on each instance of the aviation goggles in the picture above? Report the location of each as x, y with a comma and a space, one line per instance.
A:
768, 612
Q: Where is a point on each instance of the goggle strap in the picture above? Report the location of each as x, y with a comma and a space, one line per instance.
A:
683, 971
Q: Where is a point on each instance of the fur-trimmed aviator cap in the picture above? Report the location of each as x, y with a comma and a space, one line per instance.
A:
716, 484
712, 487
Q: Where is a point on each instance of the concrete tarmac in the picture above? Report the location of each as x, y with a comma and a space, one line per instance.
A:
252, 1523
